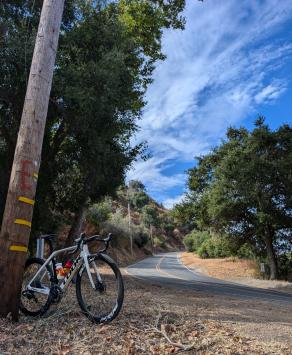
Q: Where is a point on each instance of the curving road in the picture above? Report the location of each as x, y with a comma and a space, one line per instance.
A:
167, 269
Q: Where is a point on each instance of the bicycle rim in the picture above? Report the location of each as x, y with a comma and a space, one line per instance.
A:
102, 303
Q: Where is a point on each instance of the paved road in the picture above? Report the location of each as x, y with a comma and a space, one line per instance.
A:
167, 269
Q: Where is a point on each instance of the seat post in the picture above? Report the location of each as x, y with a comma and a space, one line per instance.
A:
40, 248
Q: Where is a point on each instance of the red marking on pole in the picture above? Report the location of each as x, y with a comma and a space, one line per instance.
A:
24, 185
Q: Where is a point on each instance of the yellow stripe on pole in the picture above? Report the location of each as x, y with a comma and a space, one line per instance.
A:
23, 222
18, 248
35, 175
26, 200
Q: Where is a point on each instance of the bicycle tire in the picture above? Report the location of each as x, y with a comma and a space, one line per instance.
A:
109, 276
46, 304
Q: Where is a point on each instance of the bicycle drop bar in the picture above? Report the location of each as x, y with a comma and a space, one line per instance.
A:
106, 241
84, 240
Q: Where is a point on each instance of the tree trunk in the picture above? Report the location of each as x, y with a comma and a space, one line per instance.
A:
76, 227
271, 257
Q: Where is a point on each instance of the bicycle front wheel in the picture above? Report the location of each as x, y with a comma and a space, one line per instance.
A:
103, 302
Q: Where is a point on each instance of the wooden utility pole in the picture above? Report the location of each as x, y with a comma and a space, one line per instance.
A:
151, 238
130, 222
16, 225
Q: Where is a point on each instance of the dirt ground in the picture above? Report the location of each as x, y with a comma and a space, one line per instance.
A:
234, 270
156, 320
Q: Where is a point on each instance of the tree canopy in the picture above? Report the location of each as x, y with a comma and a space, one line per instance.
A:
107, 53
243, 188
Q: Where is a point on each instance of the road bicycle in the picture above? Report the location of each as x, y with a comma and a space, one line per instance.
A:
99, 283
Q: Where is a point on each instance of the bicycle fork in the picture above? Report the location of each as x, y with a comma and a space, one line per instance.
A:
85, 256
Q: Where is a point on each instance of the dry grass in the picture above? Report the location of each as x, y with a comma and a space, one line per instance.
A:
233, 269
154, 320
227, 268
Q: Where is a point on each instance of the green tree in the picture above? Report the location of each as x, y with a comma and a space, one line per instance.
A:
105, 62
195, 239
243, 188
136, 194
135, 185
150, 216
99, 212
138, 199
183, 214
167, 223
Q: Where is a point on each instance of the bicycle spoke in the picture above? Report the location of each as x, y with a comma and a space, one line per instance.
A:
104, 300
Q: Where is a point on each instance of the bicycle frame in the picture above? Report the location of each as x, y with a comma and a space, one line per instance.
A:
78, 264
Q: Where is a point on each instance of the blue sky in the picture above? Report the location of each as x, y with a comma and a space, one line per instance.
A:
232, 62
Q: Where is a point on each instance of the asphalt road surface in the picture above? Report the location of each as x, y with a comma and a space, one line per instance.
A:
167, 269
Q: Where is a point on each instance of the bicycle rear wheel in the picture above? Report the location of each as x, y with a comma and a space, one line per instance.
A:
33, 303
103, 303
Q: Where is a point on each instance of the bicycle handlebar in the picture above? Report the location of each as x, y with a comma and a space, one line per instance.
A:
84, 240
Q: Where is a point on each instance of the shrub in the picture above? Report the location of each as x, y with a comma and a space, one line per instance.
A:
168, 227
141, 239
204, 250
285, 266
214, 248
245, 252
136, 185
159, 242
150, 216
167, 224
99, 212
195, 239
118, 224
189, 243
207, 246
139, 199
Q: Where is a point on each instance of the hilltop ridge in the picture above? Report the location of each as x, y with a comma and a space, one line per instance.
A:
136, 219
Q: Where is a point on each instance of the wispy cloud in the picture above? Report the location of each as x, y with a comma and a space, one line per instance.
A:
270, 93
170, 202
218, 70
151, 173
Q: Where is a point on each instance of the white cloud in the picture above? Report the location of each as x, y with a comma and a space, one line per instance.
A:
218, 70
151, 173
170, 202
269, 93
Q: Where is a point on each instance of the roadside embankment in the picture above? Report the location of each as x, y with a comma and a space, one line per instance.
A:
233, 269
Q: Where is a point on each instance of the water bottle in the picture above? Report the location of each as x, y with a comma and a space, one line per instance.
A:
60, 271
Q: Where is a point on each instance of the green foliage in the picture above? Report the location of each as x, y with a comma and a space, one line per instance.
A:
167, 223
136, 185
207, 246
136, 195
105, 61
138, 199
150, 216
183, 213
141, 238
144, 20
243, 189
246, 252
159, 242
195, 239
99, 212
285, 266
168, 227
214, 248
118, 224
113, 215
